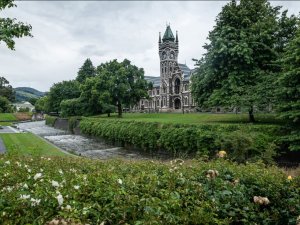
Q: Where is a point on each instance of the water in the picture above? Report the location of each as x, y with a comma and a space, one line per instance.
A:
78, 144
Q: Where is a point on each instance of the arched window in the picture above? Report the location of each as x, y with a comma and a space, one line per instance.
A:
177, 86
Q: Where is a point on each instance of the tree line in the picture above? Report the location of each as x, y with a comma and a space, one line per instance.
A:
104, 89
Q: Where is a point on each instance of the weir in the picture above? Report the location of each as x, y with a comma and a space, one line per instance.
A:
81, 145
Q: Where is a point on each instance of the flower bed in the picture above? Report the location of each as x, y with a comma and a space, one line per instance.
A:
51, 190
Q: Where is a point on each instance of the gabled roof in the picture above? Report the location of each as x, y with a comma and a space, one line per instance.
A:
168, 36
154, 80
186, 71
183, 67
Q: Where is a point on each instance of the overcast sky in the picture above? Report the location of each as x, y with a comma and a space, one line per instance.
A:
66, 33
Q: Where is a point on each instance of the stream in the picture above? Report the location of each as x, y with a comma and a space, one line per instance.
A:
81, 145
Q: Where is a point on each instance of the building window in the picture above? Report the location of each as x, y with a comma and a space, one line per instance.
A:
186, 101
165, 102
157, 103
157, 91
177, 86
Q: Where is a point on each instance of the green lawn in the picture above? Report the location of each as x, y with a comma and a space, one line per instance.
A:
7, 117
6, 123
196, 118
29, 144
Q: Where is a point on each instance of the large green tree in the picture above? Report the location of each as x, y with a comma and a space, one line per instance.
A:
240, 66
10, 28
87, 70
62, 91
122, 84
6, 89
289, 91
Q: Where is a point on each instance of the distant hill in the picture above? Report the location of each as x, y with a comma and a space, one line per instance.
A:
26, 93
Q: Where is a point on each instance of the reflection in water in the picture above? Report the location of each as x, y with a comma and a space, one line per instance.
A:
78, 144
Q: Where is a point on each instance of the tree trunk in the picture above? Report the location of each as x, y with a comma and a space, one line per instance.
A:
251, 116
108, 114
119, 110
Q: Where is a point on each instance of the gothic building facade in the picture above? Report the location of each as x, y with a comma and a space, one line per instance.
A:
171, 90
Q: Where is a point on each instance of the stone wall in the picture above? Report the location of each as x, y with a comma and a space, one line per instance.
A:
63, 124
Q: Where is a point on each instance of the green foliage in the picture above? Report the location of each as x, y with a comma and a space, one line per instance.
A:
42, 104
241, 142
72, 107
120, 84
62, 91
73, 122
118, 192
6, 89
5, 105
87, 70
50, 120
289, 92
239, 68
26, 109
10, 29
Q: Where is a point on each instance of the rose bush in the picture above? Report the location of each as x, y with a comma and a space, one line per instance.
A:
41, 190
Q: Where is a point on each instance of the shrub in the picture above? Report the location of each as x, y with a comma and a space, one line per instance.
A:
38, 190
50, 120
241, 141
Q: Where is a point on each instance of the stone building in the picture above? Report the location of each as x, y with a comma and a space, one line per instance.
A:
171, 90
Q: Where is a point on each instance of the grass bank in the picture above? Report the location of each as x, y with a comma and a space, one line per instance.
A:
29, 144
5, 117
39, 190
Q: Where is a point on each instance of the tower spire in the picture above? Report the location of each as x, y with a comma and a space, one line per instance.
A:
168, 36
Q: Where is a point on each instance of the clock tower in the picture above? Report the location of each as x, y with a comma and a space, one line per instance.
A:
168, 54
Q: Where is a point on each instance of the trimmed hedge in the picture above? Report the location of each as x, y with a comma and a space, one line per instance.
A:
242, 142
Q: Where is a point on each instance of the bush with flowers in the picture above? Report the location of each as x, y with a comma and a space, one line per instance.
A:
66, 190
242, 142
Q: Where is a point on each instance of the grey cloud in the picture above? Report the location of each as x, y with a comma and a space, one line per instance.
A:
68, 32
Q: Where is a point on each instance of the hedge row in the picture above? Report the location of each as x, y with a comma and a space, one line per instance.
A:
242, 142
